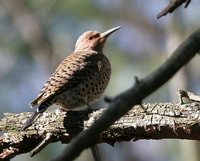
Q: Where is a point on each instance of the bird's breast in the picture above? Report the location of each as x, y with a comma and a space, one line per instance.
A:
93, 77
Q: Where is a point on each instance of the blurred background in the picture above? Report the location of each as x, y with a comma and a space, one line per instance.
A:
35, 36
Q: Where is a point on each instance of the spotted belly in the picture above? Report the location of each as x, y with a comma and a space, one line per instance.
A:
87, 92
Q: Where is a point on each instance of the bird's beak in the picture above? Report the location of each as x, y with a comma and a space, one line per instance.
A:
109, 32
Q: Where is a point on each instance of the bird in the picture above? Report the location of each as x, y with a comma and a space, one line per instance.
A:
79, 80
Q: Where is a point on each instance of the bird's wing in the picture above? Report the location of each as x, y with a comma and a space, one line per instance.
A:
72, 71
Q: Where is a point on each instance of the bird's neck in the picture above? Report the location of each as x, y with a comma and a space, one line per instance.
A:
88, 50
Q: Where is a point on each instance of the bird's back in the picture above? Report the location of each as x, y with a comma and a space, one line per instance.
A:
81, 78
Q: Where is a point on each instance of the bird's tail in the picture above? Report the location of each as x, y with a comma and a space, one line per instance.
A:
35, 115
30, 120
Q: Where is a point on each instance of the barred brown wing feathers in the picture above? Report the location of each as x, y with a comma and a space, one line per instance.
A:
69, 74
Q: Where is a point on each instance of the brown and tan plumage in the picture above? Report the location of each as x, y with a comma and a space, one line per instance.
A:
80, 79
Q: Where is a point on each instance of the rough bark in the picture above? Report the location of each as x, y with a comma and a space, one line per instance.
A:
123, 102
149, 121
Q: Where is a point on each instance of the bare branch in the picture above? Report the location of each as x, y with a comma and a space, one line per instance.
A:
172, 6
126, 100
42, 145
161, 120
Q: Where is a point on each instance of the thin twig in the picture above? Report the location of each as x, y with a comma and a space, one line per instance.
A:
42, 145
172, 6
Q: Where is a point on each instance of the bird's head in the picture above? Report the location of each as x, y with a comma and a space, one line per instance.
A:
93, 40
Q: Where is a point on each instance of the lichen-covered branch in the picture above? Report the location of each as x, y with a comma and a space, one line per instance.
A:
157, 121
123, 102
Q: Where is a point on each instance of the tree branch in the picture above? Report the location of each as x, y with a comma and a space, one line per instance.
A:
126, 100
158, 121
174, 4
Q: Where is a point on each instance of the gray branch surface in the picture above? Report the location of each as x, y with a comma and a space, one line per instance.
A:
123, 102
157, 121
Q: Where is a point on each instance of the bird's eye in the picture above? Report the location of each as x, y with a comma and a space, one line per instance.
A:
90, 38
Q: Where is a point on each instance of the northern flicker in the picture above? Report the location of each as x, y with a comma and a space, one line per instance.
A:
80, 79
